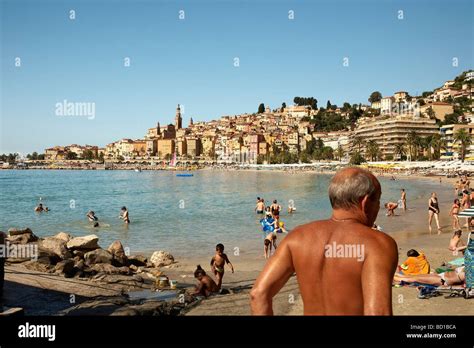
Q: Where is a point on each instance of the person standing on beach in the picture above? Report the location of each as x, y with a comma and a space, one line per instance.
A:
310, 251
433, 210
454, 214
403, 199
218, 262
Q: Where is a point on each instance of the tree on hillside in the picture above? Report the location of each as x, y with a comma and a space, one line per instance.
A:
71, 155
328, 105
463, 138
283, 106
375, 97
261, 108
358, 142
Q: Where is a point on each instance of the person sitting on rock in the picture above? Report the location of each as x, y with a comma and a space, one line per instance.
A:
207, 285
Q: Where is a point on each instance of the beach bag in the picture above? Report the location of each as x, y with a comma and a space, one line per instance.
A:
469, 262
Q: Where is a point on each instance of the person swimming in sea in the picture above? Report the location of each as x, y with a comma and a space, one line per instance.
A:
91, 216
40, 208
124, 215
260, 207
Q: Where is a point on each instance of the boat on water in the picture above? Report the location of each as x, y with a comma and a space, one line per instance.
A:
138, 170
184, 174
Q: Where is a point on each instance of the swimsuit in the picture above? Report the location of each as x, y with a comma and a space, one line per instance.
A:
259, 211
434, 207
219, 269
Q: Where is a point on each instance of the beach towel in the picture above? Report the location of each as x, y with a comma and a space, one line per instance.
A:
415, 265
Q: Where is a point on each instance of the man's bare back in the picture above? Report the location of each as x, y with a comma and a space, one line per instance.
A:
343, 266
354, 250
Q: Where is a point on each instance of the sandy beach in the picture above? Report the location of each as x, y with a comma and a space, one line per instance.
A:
409, 229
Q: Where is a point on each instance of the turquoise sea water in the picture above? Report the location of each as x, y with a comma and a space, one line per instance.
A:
185, 215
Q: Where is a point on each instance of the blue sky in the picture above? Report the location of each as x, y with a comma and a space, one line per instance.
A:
191, 61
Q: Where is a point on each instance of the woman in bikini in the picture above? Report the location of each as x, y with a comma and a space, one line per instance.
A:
455, 277
433, 210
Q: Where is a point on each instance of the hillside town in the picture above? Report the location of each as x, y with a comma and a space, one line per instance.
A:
397, 127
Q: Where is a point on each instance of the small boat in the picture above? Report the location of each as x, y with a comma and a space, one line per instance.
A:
184, 174
138, 170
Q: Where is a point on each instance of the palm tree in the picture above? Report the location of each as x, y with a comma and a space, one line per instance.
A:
400, 150
358, 142
413, 141
373, 150
340, 152
464, 139
435, 144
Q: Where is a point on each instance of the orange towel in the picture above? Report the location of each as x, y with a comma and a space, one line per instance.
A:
415, 265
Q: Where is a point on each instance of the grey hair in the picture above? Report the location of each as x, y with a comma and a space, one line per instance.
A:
345, 191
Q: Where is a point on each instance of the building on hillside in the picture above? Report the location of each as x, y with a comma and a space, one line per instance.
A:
55, 153
439, 109
193, 147
165, 148
388, 131
452, 149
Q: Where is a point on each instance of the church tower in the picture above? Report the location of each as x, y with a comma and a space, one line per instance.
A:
178, 120
191, 122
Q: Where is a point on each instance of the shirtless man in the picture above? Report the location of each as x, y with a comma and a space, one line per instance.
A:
364, 285
391, 206
124, 215
260, 207
39, 208
218, 262
206, 285
403, 198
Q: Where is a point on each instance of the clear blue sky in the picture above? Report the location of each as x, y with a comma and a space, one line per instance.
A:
191, 61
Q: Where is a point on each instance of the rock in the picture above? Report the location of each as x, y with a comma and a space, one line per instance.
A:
53, 245
17, 231
80, 265
97, 256
86, 242
137, 260
17, 259
161, 258
118, 253
38, 265
65, 267
109, 269
63, 236
79, 253
133, 268
24, 238
53, 258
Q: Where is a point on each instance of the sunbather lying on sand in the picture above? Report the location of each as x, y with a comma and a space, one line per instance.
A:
446, 278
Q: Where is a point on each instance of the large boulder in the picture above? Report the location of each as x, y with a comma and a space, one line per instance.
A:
97, 256
54, 245
118, 253
137, 260
40, 265
161, 258
86, 242
17, 231
65, 267
63, 236
23, 238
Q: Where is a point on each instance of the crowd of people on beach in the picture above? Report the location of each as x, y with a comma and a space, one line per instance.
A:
271, 223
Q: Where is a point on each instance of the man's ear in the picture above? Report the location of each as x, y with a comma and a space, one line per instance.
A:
364, 202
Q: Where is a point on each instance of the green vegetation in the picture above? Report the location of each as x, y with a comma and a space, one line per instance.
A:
375, 97
303, 101
261, 108
463, 138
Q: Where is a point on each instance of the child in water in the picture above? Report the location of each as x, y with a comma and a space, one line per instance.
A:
218, 262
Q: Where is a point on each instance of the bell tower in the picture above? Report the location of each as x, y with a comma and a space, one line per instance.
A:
178, 121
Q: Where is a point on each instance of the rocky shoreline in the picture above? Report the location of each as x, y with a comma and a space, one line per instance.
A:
83, 262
